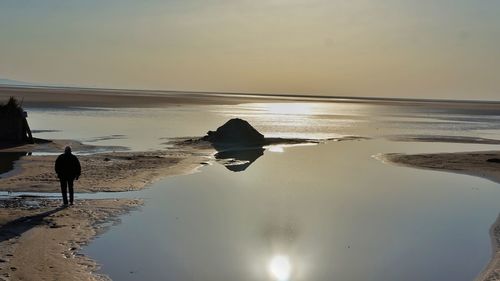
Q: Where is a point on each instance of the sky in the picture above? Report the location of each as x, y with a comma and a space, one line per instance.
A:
373, 48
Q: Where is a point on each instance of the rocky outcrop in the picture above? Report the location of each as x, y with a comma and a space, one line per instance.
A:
235, 131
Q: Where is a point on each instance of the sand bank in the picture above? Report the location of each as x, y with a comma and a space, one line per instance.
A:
41, 240
484, 164
112, 171
442, 138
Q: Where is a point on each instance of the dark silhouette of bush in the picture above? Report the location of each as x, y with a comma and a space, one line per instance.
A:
14, 127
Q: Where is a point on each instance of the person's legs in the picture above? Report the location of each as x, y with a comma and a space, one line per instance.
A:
70, 186
64, 187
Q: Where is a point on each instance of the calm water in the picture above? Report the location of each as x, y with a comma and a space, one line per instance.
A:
325, 212
333, 211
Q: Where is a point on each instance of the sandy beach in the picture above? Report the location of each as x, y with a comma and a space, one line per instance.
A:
40, 233
41, 241
106, 172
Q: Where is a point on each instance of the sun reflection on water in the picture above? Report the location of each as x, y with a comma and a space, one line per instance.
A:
280, 268
276, 148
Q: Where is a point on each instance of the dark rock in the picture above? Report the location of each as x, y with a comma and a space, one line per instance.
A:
493, 160
235, 131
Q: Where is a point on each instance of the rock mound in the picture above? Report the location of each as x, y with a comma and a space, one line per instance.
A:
235, 131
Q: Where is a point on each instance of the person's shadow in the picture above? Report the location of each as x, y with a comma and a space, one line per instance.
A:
237, 158
19, 226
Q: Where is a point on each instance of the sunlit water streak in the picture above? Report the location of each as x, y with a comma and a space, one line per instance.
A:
280, 267
146, 129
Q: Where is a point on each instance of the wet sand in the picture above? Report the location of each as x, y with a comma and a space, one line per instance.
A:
41, 242
492, 270
442, 138
485, 164
106, 172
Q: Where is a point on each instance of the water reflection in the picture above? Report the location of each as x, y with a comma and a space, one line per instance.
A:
280, 268
7, 160
237, 159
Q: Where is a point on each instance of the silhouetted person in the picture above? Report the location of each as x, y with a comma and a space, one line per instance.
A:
68, 169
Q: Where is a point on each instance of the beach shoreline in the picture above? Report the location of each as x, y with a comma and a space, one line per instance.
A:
492, 271
39, 239
106, 172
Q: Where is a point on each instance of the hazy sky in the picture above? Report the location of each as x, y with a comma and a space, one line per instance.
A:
420, 48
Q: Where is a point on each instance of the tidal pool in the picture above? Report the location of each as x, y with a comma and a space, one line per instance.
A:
325, 212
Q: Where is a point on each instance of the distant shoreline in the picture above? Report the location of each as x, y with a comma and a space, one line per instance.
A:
99, 96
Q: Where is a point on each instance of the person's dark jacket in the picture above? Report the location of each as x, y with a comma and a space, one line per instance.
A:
67, 166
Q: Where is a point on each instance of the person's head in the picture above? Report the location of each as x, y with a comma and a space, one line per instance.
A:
67, 150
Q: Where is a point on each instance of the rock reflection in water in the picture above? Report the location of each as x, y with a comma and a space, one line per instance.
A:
238, 159
7, 160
